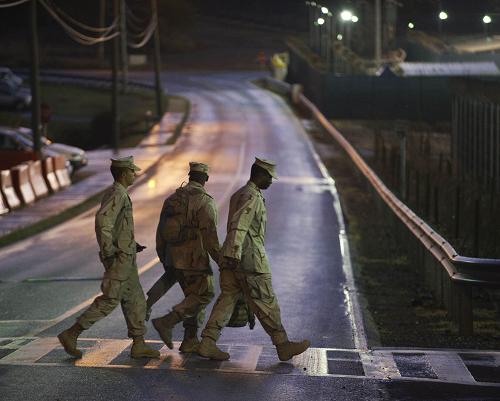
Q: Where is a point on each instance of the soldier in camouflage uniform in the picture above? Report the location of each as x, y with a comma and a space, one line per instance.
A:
189, 259
114, 227
245, 269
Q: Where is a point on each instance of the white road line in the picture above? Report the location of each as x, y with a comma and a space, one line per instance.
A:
450, 367
350, 292
378, 365
32, 352
247, 361
103, 352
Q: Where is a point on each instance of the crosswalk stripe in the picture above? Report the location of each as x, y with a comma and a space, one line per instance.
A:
450, 367
103, 352
438, 366
32, 352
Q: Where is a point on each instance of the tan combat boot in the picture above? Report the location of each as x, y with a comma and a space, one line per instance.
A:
164, 326
68, 340
289, 349
208, 349
141, 350
190, 343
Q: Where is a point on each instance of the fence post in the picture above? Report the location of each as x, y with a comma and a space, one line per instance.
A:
476, 227
457, 211
464, 304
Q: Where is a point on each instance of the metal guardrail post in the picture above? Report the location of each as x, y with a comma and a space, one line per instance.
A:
464, 304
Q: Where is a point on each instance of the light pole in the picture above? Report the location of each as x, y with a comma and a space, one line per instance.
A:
442, 16
486, 22
325, 12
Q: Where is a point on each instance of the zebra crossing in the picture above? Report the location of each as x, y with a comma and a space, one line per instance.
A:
480, 368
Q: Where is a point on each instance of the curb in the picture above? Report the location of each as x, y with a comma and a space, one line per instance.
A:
91, 201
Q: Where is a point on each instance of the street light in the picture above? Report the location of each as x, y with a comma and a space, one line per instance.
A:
486, 21
354, 18
442, 16
346, 15
411, 25
324, 10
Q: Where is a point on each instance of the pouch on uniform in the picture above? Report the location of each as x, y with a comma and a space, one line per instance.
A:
242, 315
175, 227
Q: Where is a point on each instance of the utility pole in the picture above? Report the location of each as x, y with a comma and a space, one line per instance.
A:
378, 32
35, 82
157, 61
115, 112
124, 53
102, 21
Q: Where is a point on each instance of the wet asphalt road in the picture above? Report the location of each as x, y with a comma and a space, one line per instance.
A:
232, 121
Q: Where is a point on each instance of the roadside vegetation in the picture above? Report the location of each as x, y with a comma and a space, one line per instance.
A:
81, 116
399, 310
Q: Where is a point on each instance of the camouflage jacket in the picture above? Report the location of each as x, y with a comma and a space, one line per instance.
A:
246, 230
114, 223
193, 254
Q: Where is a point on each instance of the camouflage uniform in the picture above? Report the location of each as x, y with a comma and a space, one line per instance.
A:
190, 259
114, 227
246, 229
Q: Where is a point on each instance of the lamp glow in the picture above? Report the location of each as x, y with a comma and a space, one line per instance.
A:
346, 15
443, 16
487, 19
354, 18
324, 10
320, 21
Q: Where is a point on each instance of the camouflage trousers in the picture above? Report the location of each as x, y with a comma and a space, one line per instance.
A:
259, 295
127, 293
199, 290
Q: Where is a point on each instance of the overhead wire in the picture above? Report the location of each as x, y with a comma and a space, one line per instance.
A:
81, 24
13, 4
146, 33
78, 36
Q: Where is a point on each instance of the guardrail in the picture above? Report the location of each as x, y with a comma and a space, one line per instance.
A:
450, 275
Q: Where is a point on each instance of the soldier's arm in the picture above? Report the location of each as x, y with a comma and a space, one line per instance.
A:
207, 218
105, 221
238, 227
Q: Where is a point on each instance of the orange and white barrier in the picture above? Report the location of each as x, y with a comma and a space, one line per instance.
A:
21, 183
49, 175
61, 171
10, 196
36, 179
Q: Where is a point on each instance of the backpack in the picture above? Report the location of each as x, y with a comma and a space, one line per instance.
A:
175, 219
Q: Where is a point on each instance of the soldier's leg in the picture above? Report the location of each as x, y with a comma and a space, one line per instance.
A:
261, 299
263, 302
220, 316
224, 306
102, 306
199, 290
133, 305
160, 288
199, 293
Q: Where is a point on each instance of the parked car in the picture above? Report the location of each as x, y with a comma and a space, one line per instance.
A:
8, 75
16, 148
76, 156
13, 95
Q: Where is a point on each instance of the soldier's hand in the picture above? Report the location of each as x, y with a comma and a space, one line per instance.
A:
108, 262
139, 247
230, 263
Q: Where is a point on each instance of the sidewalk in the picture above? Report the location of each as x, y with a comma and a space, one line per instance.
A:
149, 152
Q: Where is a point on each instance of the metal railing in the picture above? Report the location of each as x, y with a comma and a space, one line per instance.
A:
450, 275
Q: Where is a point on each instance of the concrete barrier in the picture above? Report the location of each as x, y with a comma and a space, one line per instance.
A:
22, 185
61, 171
49, 175
36, 178
8, 191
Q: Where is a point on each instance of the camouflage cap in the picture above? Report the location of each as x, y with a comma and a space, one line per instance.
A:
127, 162
198, 167
267, 165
